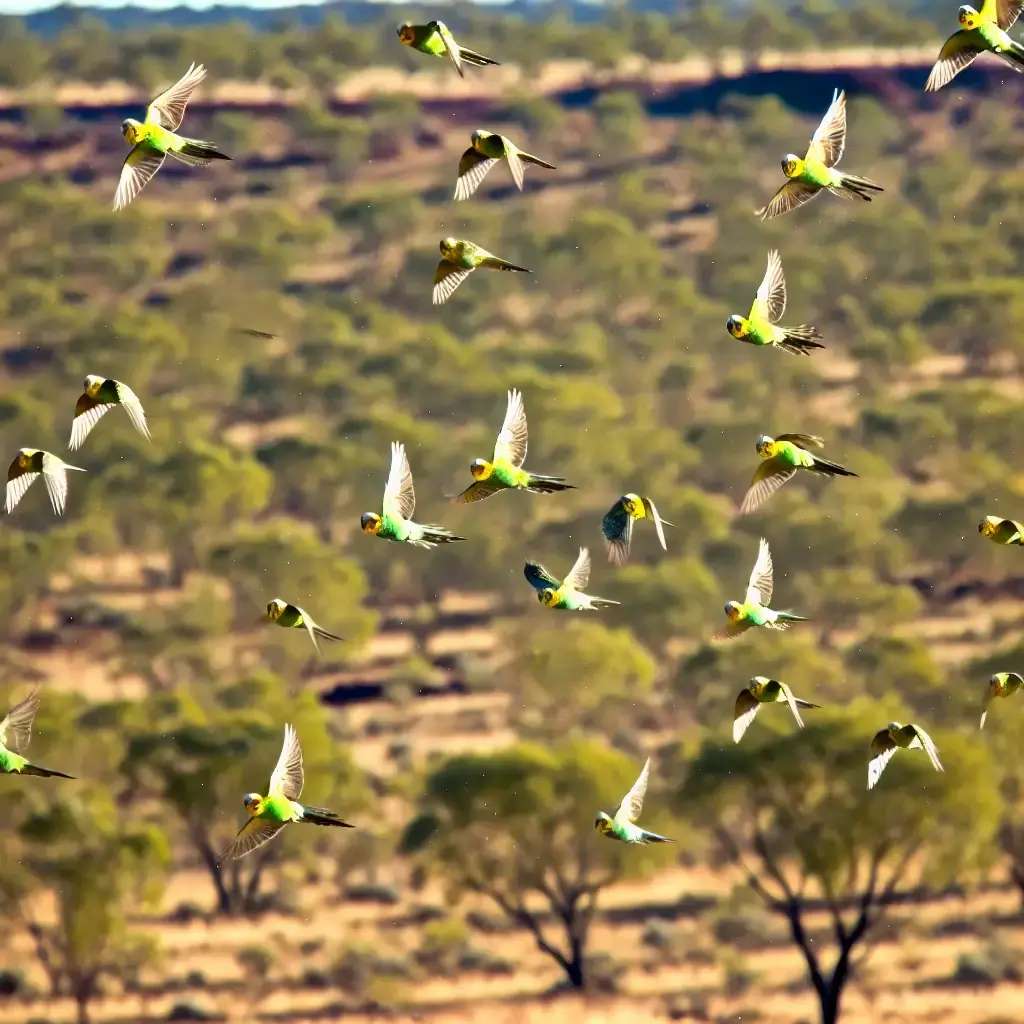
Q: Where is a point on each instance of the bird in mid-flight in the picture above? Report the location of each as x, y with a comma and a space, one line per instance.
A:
1002, 684
459, 259
485, 150
816, 170
783, 456
617, 525
435, 38
292, 616
156, 138
893, 737
984, 31
399, 504
761, 326
15, 733
99, 397
762, 690
269, 814
26, 468
623, 826
566, 594
1002, 531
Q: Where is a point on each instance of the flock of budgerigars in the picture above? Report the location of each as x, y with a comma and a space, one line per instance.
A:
155, 138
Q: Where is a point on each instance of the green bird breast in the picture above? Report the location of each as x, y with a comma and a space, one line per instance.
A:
507, 475
817, 174
393, 529
10, 761
276, 808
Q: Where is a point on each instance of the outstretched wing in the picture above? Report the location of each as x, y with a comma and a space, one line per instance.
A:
923, 740
16, 728
447, 278
759, 590
744, 713
18, 482
88, 412
131, 405
768, 478
56, 479
539, 578
957, 53
473, 168
617, 528
513, 436
287, 778
659, 523
829, 138
579, 574
252, 835
139, 166
789, 197
788, 694
633, 802
399, 496
451, 48
478, 490
882, 749
805, 441
168, 108
730, 631
1007, 13
515, 165
771, 295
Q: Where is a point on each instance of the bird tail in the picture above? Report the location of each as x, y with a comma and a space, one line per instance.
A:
830, 468
653, 837
43, 773
800, 703
438, 535
497, 263
529, 158
478, 60
548, 484
322, 816
199, 151
860, 187
800, 340
790, 617
600, 602
325, 635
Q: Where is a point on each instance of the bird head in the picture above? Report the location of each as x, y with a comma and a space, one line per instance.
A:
130, 130
733, 610
791, 165
988, 526
481, 469
603, 822
407, 34
448, 247
370, 522
758, 682
968, 17
253, 803
765, 445
276, 608
548, 597
92, 385
478, 136
894, 727
736, 326
996, 682
24, 457
634, 505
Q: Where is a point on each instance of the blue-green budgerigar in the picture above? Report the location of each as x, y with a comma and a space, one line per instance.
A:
566, 594
762, 690
623, 826
15, 734
984, 31
617, 525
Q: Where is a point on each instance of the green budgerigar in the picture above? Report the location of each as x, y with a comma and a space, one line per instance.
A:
31, 463
459, 259
15, 734
505, 470
984, 31
436, 39
762, 690
894, 736
99, 397
269, 814
567, 594
754, 610
485, 150
617, 525
623, 826
399, 504
156, 138
783, 456
1002, 684
293, 617
1002, 531
816, 170
761, 327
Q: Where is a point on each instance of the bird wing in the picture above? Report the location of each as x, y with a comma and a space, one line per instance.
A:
399, 496
478, 490
307, 621
252, 835
789, 197
759, 589
730, 631
513, 436
617, 528
829, 138
168, 109
16, 728
1007, 12
451, 48
768, 478
923, 740
473, 168
88, 412
882, 749
771, 295
139, 166
633, 802
804, 441
18, 482
287, 778
539, 578
131, 404
744, 713
579, 574
957, 52
659, 523
447, 278
56, 479
788, 694
985, 705
515, 165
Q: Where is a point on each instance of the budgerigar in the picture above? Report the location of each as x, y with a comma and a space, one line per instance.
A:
99, 397
890, 739
617, 525
15, 733
762, 690
459, 259
31, 463
485, 150
435, 39
982, 31
1002, 531
1002, 684
565, 594
293, 617
623, 826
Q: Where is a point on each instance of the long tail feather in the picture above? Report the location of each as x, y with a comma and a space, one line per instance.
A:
439, 535
830, 468
860, 186
203, 150
529, 158
653, 837
324, 634
322, 816
790, 617
799, 340
804, 703
548, 484
476, 59
43, 773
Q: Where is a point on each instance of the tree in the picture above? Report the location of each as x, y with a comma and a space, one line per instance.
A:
515, 825
794, 813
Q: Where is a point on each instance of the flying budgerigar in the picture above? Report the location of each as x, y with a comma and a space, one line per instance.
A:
505, 471
761, 326
1002, 684
458, 260
783, 456
155, 139
565, 594
617, 525
817, 169
1002, 531
100, 396
485, 150
435, 38
890, 739
983, 31
754, 610
269, 814
15, 733
28, 464
399, 504
762, 690
292, 616
623, 826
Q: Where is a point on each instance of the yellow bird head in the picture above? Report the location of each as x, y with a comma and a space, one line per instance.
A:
894, 727
603, 823
448, 246
131, 130
481, 469
792, 165
478, 137
253, 803
92, 385
370, 522
24, 457
989, 526
548, 597
276, 608
634, 506
765, 446
733, 610
737, 326
996, 684
407, 34
968, 17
